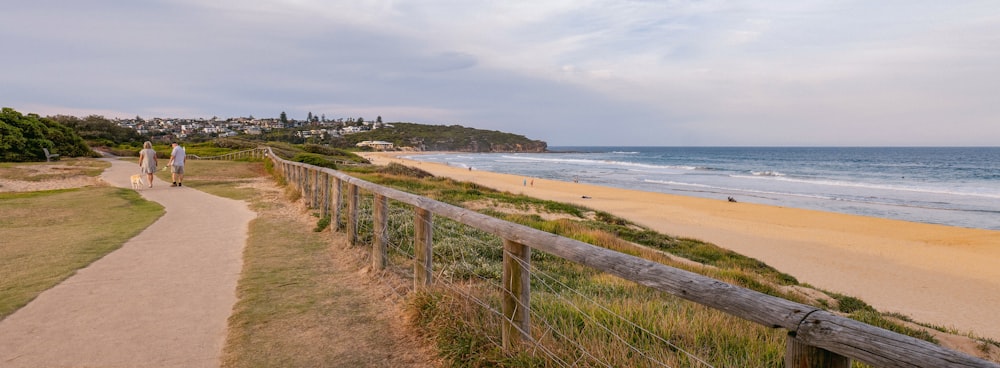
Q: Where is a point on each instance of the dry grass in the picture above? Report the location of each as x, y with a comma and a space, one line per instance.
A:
43, 171
48, 235
301, 307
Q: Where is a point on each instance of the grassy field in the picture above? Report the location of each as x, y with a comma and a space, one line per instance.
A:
48, 235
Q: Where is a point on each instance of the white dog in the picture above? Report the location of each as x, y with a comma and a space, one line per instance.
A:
137, 181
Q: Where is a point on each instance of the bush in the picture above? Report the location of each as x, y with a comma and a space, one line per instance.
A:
315, 160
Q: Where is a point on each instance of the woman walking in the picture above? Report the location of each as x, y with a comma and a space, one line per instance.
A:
148, 162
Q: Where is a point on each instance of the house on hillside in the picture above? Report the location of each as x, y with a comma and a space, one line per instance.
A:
377, 145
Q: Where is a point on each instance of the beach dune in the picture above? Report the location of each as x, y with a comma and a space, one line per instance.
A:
943, 275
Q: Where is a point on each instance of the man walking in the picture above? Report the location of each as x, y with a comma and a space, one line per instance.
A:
177, 159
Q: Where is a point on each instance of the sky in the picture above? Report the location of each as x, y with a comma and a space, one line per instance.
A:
571, 73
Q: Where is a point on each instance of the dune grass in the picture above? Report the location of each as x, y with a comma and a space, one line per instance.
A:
48, 235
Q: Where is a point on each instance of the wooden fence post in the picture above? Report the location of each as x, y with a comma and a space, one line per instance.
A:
303, 183
315, 188
325, 206
516, 294
300, 182
381, 227
352, 214
800, 355
423, 234
338, 200
309, 187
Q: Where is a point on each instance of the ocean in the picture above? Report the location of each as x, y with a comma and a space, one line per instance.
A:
956, 186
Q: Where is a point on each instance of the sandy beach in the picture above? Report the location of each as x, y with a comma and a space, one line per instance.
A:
943, 275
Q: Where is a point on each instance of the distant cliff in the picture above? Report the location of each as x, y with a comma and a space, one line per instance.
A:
422, 137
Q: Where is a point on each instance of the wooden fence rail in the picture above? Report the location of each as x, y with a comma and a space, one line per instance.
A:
816, 338
255, 153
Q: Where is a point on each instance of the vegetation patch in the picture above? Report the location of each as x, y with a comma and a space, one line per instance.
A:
298, 305
48, 235
466, 257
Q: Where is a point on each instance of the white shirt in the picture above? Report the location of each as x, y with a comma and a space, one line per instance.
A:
178, 155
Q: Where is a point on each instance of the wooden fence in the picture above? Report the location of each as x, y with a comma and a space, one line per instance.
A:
254, 153
816, 338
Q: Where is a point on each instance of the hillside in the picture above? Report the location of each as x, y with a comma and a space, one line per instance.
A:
449, 138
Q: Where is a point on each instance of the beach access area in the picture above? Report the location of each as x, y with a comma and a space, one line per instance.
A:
943, 275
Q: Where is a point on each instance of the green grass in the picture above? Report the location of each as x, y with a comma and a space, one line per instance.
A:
48, 235
221, 178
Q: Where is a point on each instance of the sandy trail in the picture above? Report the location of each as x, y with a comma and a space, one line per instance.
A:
161, 300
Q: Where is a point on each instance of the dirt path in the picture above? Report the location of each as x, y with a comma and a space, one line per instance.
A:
161, 300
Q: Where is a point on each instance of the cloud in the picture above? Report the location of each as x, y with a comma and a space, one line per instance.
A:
568, 72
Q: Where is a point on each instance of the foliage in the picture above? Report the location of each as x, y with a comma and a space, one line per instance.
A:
334, 153
448, 138
22, 138
322, 224
99, 131
236, 143
314, 159
403, 170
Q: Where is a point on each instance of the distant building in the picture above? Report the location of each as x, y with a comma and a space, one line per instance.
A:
378, 145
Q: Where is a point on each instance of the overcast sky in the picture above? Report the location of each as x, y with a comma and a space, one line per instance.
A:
580, 72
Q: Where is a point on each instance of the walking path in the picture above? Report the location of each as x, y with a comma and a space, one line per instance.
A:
162, 300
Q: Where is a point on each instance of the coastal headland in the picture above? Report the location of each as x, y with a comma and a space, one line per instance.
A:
943, 275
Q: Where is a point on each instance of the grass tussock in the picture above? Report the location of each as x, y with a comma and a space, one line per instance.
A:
48, 235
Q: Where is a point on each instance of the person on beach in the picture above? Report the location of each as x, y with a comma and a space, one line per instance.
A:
148, 162
177, 159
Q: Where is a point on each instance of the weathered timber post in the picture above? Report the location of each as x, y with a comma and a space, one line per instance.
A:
304, 183
800, 355
380, 225
338, 200
298, 179
315, 188
352, 214
325, 207
306, 191
516, 294
423, 234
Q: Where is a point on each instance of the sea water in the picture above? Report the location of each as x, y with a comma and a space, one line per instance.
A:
957, 186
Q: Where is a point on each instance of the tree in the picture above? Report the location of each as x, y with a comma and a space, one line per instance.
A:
379, 119
309, 117
99, 131
283, 118
22, 137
